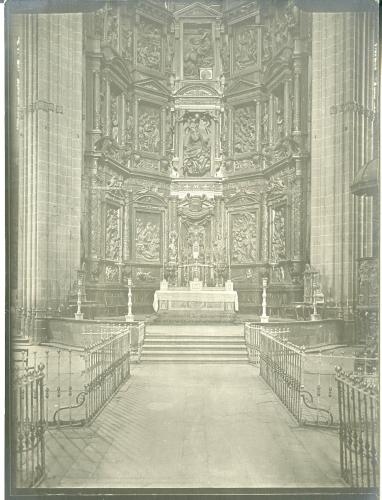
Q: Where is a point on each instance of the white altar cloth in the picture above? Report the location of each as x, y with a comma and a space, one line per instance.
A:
185, 299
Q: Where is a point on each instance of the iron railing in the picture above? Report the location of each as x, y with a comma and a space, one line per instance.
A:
28, 426
138, 330
252, 334
107, 368
281, 366
358, 404
300, 380
79, 380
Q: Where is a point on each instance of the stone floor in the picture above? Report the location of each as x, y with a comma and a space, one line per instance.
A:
193, 426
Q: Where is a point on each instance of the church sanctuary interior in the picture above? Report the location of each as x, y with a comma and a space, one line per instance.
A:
193, 244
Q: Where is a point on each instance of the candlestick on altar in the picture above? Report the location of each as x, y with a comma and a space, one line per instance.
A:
129, 316
80, 278
264, 318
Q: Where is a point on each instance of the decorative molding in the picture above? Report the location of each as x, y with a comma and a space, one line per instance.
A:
197, 10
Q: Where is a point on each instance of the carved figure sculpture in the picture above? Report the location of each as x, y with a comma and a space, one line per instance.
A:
278, 236
149, 130
147, 240
197, 146
245, 129
244, 238
114, 118
113, 240
173, 246
149, 45
245, 47
197, 52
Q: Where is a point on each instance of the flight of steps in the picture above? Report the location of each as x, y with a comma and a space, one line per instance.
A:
193, 348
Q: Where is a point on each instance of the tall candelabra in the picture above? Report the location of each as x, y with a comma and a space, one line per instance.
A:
80, 280
129, 316
264, 318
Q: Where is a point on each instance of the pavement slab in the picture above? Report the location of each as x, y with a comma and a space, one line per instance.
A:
193, 426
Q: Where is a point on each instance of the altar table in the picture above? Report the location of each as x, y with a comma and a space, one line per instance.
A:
207, 299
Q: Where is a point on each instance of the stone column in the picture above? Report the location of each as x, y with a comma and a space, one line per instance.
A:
287, 107
342, 48
297, 70
50, 165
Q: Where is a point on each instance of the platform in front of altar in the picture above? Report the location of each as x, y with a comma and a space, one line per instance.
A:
206, 304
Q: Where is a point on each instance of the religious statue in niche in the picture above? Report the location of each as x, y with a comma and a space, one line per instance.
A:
245, 46
243, 237
112, 237
173, 246
198, 50
111, 273
149, 45
169, 131
114, 122
197, 144
278, 236
194, 243
147, 237
245, 129
218, 250
280, 121
149, 129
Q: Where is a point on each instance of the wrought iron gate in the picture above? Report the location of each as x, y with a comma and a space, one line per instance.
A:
28, 426
359, 429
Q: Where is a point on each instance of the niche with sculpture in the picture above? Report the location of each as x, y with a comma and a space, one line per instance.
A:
278, 234
245, 45
196, 144
149, 45
197, 50
147, 237
112, 233
149, 119
244, 128
244, 237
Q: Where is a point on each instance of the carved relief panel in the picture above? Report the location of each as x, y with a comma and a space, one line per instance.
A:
245, 45
244, 128
113, 236
277, 33
244, 237
198, 50
196, 135
149, 128
148, 229
278, 238
149, 44
115, 125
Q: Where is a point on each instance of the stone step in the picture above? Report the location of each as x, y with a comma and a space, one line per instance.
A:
177, 341
196, 338
190, 352
177, 347
193, 347
195, 359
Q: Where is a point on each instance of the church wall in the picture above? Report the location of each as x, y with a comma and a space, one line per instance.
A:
50, 159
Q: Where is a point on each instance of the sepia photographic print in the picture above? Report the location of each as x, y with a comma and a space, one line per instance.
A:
192, 231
